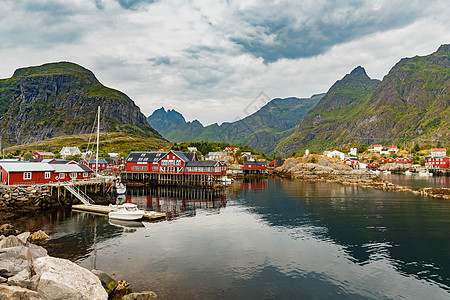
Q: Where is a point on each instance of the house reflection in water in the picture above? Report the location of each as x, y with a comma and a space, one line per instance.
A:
176, 202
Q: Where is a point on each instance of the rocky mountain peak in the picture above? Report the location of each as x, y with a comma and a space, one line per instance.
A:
360, 72
56, 68
57, 99
444, 49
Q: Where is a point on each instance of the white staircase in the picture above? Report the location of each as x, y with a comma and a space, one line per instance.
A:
85, 199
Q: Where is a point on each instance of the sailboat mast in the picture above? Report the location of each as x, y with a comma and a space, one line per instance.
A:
98, 138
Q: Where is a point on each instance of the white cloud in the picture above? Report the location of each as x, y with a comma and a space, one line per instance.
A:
184, 55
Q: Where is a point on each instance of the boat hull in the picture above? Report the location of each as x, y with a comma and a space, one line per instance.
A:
126, 216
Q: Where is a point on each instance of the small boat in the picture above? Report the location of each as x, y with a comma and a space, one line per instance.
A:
225, 180
425, 173
121, 188
386, 172
408, 173
126, 212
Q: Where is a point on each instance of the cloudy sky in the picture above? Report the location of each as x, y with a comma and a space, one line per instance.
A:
210, 59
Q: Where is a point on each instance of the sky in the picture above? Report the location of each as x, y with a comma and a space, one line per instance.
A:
219, 61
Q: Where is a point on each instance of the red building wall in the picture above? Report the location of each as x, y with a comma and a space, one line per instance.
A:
439, 163
255, 167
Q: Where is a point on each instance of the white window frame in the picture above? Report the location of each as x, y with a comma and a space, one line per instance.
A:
62, 175
73, 175
85, 174
47, 175
27, 175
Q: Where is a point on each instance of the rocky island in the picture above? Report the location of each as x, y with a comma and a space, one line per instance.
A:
320, 168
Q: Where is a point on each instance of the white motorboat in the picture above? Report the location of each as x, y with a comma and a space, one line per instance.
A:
425, 173
225, 180
126, 212
386, 172
408, 173
121, 188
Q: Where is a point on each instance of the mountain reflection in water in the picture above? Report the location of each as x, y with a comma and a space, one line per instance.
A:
272, 238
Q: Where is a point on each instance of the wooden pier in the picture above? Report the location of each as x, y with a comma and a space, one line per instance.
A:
155, 179
104, 210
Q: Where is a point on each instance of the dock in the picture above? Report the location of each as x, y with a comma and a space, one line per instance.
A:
105, 209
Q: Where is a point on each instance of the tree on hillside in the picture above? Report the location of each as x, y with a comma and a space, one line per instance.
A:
28, 156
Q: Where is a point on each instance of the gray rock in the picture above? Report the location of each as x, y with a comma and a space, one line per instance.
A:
23, 237
108, 283
17, 293
62, 279
37, 251
147, 295
10, 241
3, 279
13, 260
22, 279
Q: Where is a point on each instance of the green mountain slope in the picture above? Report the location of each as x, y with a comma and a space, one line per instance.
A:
261, 130
59, 99
410, 104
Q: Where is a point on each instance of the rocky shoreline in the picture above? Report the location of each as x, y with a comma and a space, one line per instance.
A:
19, 199
27, 272
319, 168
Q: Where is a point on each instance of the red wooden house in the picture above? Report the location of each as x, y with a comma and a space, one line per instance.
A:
91, 163
231, 149
383, 160
255, 167
43, 155
407, 160
173, 162
437, 162
39, 173
390, 159
374, 165
352, 161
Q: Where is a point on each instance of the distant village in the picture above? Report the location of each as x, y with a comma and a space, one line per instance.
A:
178, 167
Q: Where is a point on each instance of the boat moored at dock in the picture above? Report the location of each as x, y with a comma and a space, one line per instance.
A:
126, 212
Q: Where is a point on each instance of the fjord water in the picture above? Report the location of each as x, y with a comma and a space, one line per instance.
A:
268, 239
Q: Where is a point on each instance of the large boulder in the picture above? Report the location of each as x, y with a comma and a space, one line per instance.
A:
10, 241
17, 293
13, 260
23, 279
62, 279
37, 251
23, 237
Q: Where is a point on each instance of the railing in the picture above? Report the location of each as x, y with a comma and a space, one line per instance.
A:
85, 199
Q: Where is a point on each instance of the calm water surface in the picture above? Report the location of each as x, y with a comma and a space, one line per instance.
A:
270, 239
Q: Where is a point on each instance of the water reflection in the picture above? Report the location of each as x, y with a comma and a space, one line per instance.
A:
176, 202
417, 182
371, 225
273, 238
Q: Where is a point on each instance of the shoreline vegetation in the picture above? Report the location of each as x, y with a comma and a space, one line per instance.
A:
318, 168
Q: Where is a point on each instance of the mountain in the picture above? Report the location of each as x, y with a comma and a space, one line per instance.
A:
411, 103
261, 130
60, 99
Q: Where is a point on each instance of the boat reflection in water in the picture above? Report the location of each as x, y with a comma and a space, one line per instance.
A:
177, 202
128, 226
